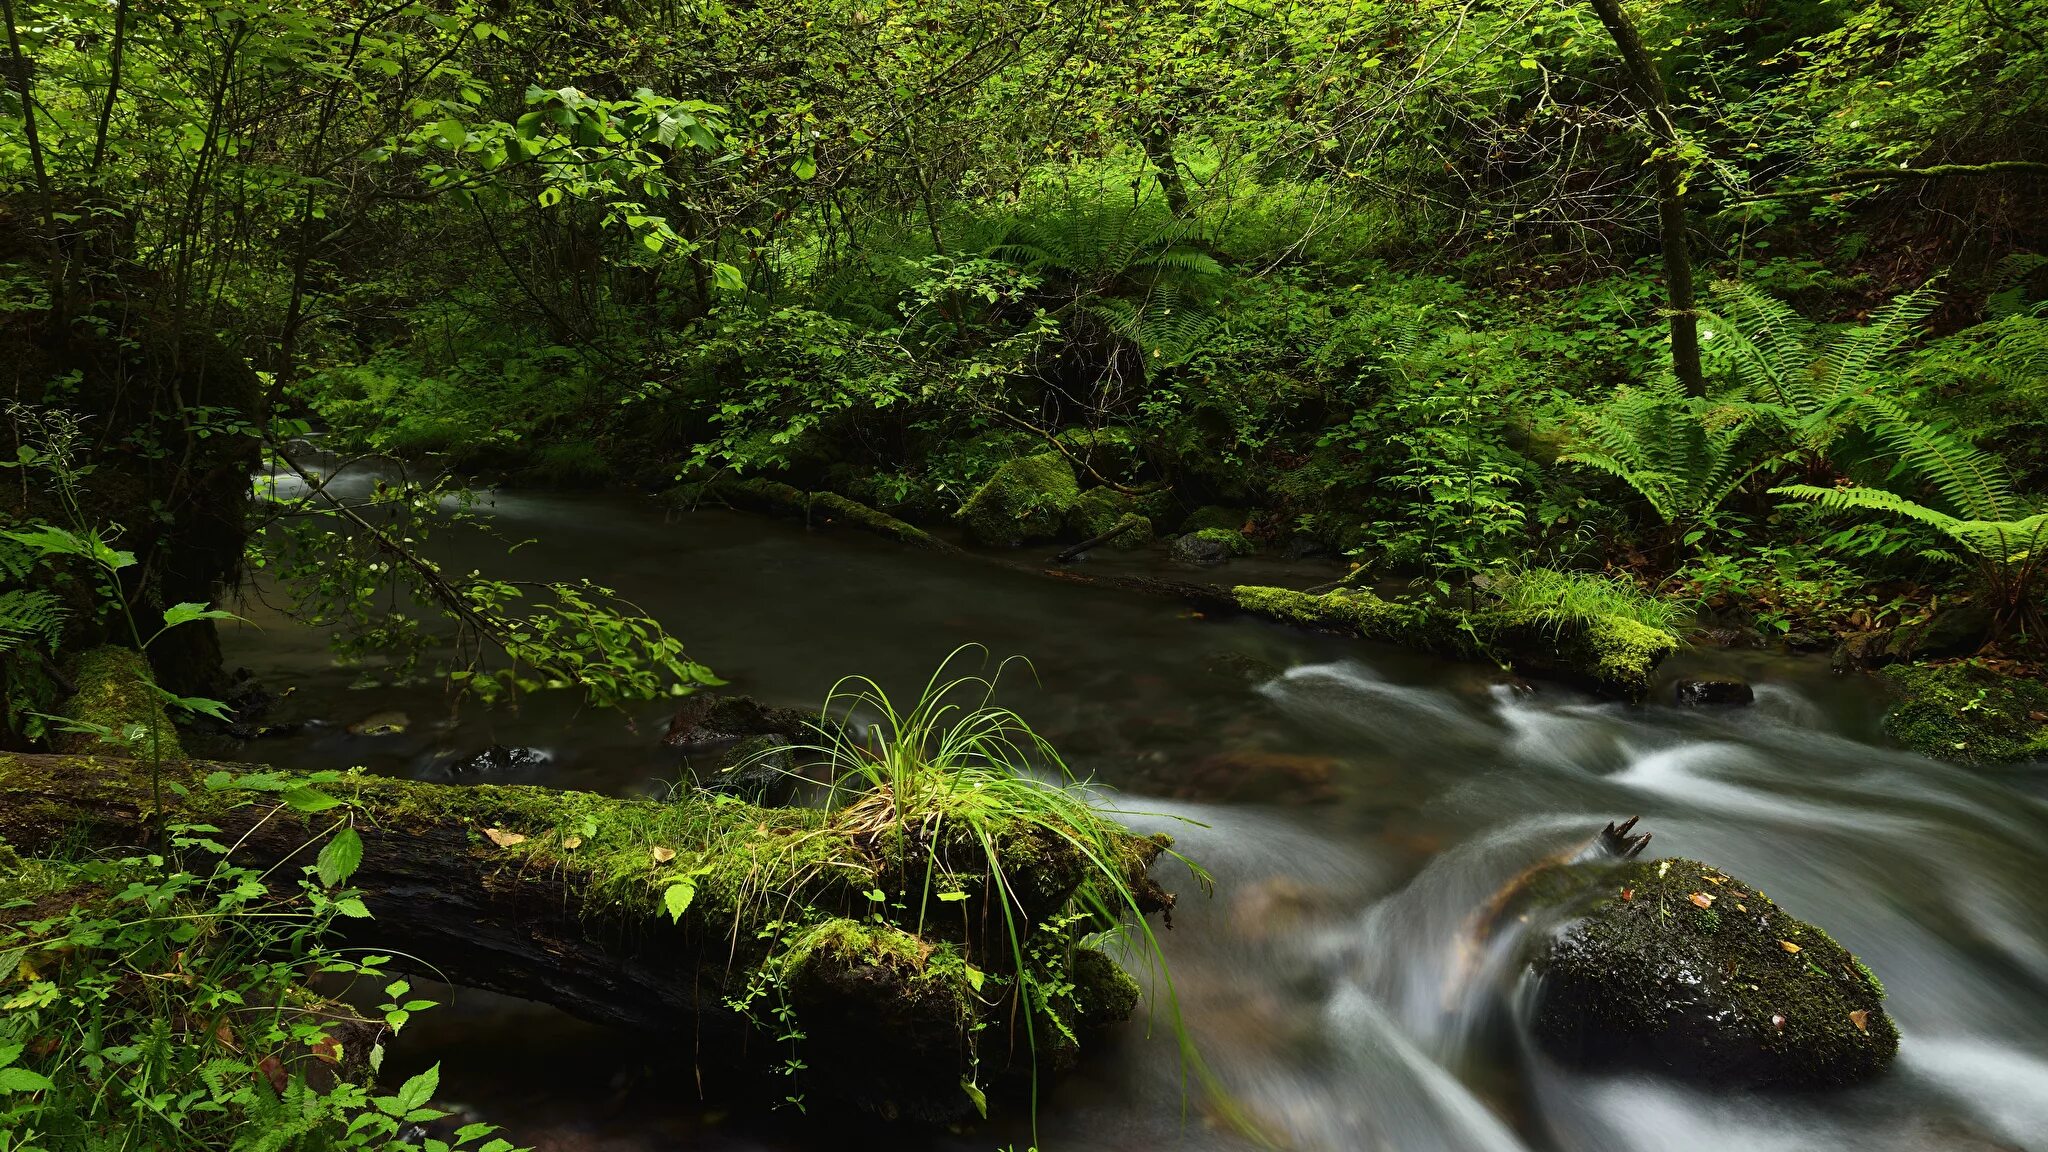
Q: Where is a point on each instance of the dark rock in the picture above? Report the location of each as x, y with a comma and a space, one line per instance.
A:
496, 760
1199, 550
758, 769
1808, 641
1215, 516
1957, 631
1865, 651
705, 720
1671, 966
1700, 693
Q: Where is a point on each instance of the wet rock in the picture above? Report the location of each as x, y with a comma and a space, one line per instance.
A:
758, 769
1951, 632
388, 723
706, 720
1210, 547
1272, 907
1025, 500
1672, 966
495, 761
1705, 693
1260, 777
1807, 641
1968, 713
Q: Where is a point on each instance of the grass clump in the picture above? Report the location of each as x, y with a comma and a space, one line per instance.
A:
1583, 599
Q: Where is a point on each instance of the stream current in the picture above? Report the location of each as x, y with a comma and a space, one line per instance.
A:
1357, 806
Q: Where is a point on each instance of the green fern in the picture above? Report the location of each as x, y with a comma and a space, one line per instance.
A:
2007, 550
28, 615
1683, 455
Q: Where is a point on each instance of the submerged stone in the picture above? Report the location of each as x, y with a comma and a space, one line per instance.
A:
1704, 693
1025, 500
1674, 967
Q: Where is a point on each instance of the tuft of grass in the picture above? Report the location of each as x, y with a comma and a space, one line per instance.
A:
955, 770
1581, 599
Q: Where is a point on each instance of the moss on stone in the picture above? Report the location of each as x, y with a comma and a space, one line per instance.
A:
1968, 712
1100, 509
1230, 538
118, 708
1214, 516
1025, 500
1674, 966
1610, 654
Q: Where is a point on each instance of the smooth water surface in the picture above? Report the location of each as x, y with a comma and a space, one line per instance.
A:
1358, 808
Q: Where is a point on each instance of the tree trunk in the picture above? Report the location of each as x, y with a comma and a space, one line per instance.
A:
559, 897
1655, 103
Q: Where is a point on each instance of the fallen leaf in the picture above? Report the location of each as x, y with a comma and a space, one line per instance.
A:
572, 843
2038, 717
1860, 1019
1741, 907
1788, 946
271, 1070
1701, 899
1663, 866
1713, 879
326, 1050
662, 855
1777, 1021
504, 839
1628, 893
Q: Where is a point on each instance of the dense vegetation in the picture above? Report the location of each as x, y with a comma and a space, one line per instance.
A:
1728, 320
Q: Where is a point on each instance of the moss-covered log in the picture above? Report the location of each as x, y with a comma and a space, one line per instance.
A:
1612, 655
756, 494
565, 897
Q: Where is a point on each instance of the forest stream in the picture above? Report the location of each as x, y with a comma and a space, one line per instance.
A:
1358, 807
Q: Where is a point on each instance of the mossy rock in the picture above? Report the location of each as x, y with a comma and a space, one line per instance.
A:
1968, 712
1612, 655
1214, 516
1230, 538
1674, 967
118, 705
1027, 499
1100, 509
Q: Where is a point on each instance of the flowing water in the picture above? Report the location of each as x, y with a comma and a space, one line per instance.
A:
1357, 806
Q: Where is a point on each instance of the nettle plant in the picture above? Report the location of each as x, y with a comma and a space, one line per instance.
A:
164, 998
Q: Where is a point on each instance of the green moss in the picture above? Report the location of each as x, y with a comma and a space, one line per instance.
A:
1737, 991
1214, 516
118, 703
1964, 711
1099, 509
1027, 499
1351, 611
1611, 654
1103, 992
1230, 538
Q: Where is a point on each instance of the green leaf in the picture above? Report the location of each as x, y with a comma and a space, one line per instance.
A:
804, 168
976, 1096
304, 799
340, 858
353, 908
23, 1080
420, 1089
178, 614
951, 897
677, 899
728, 277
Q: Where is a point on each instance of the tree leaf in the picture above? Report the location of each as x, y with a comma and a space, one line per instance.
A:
976, 1096
661, 855
728, 277
304, 799
504, 839
187, 612
420, 1089
677, 900
340, 858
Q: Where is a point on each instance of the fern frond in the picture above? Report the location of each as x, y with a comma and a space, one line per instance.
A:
1853, 361
1974, 482
29, 614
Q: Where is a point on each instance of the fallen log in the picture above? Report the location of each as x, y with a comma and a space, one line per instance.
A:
568, 898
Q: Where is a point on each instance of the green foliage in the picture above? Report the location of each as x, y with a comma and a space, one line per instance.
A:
1581, 599
228, 1051
1685, 456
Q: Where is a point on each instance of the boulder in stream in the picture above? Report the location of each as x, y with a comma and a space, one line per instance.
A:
1673, 966
1024, 500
